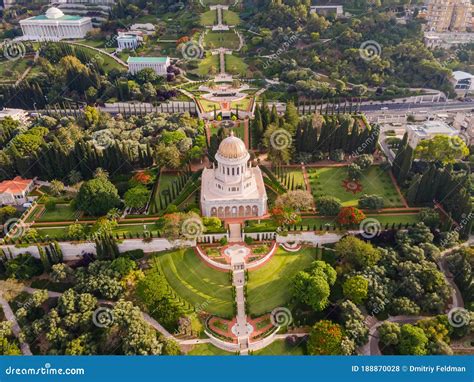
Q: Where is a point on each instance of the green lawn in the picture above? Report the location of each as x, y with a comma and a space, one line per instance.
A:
52, 232
196, 282
107, 62
10, 70
208, 65
165, 180
293, 173
239, 131
235, 65
328, 181
281, 347
62, 212
209, 18
270, 286
61, 232
242, 104
231, 18
207, 349
268, 225
209, 105
221, 39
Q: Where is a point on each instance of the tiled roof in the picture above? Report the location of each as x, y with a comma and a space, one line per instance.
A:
15, 186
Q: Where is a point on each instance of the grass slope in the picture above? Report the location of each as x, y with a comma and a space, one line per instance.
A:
196, 282
270, 286
281, 347
218, 39
207, 349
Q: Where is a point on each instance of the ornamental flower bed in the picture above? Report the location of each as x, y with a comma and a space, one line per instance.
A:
349, 216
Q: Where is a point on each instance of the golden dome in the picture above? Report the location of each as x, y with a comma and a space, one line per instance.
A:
232, 148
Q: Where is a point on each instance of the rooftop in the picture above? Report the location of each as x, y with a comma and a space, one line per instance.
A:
150, 60
432, 128
459, 75
15, 186
54, 13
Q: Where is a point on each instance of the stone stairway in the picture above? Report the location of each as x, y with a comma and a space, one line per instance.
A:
235, 235
241, 328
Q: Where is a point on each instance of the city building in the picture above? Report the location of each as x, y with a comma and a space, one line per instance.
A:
463, 82
158, 64
54, 26
328, 10
147, 28
15, 192
464, 122
428, 130
128, 41
447, 40
449, 15
233, 188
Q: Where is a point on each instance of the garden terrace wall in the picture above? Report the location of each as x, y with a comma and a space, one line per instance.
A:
260, 236
263, 260
212, 263
309, 238
212, 238
227, 346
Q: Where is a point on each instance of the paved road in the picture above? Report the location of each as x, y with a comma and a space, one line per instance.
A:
393, 107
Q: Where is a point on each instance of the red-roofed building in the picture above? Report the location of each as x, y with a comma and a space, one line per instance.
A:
15, 191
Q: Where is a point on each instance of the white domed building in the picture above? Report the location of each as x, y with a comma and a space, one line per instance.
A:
233, 188
54, 25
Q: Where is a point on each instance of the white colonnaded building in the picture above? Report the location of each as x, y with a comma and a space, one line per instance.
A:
233, 189
54, 25
158, 64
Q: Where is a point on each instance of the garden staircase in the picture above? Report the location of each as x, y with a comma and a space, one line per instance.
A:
235, 233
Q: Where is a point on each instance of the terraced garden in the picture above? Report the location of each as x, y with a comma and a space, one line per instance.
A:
270, 286
374, 181
196, 282
221, 39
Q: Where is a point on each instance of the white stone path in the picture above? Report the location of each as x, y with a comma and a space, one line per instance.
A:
242, 328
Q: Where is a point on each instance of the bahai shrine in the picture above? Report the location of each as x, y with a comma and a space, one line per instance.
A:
233, 188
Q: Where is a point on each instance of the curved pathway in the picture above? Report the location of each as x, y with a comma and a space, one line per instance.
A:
121, 62
372, 346
10, 316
